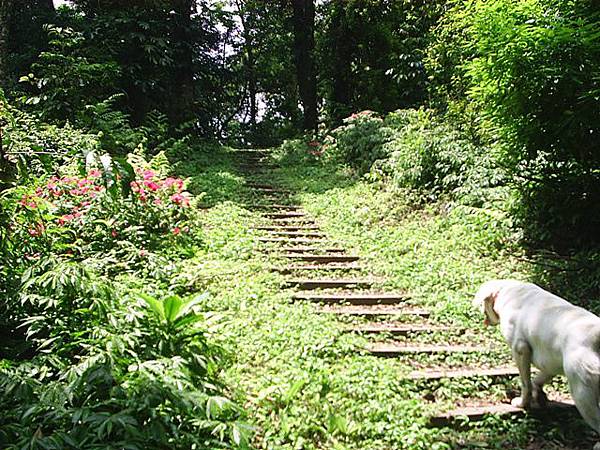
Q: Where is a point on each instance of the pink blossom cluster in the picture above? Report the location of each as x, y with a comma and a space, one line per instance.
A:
73, 196
316, 148
365, 113
150, 183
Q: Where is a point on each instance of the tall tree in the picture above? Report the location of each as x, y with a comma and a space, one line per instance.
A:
182, 101
304, 45
342, 55
6, 7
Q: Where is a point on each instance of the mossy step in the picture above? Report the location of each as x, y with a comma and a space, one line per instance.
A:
272, 190
351, 298
374, 311
304, 234
331, 284
434, 374
322, 258
261, 186
480, 412
400, 329
391, 349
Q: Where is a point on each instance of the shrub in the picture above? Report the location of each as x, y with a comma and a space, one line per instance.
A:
431, 157
109, 373
84, 215
359, 142
532, 68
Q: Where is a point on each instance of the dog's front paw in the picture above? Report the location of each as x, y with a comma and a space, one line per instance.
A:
520, 402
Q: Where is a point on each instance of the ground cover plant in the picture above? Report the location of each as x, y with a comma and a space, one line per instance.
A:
143, 303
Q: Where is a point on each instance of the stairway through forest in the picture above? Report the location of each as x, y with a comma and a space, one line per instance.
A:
338, 283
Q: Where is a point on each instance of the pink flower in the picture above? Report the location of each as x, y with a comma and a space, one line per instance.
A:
113, 233
153, 186
148, 174
84, 182
157, 201
177, 183
314, 143
37, 230
94, 173
176, 231
84, 204
39, 192
66, 218
143, 253
186, 229
179, 199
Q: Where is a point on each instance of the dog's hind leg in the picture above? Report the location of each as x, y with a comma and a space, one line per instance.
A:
538, 395
521, 353
585, 393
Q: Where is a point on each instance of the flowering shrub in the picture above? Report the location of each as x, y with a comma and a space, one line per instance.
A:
87, 214
359, 142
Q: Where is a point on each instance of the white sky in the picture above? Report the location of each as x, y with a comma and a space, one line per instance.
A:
59, 2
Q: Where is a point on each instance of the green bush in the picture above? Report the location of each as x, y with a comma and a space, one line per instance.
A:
531, 68
359, 142
428, 155
111, 372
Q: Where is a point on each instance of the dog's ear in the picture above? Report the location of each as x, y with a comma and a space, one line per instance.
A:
485, 300
491, 316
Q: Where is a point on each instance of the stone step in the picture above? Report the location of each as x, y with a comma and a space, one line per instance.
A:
315, 267
392, 349
289, 228
352, 298
400, 329
284, 215
477, 413
329, 284
309, 249
274, 206
285, 240
374, 311
434, 374
293, 221
322, 258
303, 234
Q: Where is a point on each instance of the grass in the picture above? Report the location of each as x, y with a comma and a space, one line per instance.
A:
299, 374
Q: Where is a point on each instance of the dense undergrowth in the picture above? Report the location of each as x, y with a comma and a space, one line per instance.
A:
104, 343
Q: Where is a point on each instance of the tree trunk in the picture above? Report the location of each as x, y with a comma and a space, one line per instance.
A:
342, 59
5, 18
182, 107
249, 58
304, 45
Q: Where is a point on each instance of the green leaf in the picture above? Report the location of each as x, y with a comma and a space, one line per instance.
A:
156, 305
172, 306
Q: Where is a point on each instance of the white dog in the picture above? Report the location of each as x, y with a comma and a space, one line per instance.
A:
554, 335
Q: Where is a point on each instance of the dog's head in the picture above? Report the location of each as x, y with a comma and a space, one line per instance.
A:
485, 300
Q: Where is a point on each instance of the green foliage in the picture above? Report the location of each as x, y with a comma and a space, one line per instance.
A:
359, 142
111, 378
65, 80
429, 156
371, 53
531, 69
